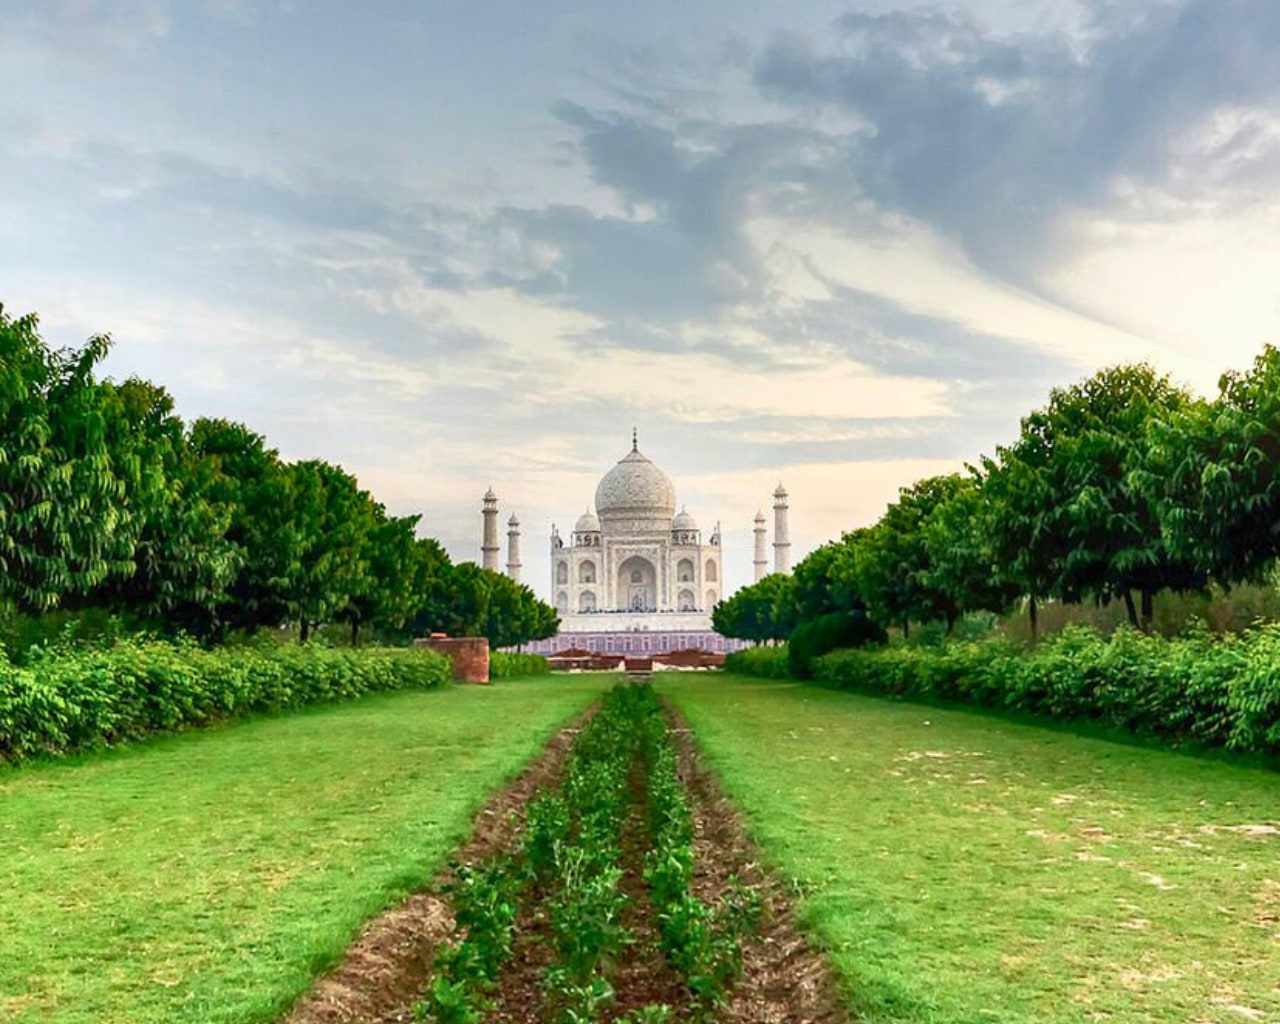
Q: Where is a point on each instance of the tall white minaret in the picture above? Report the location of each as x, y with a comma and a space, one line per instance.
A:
781, 534
489, 545
761, 563
513, 548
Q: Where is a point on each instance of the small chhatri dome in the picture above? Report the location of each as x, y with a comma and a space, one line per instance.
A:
684, 521
636, 488
781, 492
587, 523
759, 516
513, 521
489, 495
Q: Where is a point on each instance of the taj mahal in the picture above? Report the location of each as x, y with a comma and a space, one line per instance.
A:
635, 574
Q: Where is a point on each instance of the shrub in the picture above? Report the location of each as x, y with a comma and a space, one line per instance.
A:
69, 700
767, 662
1197, 687
815, 637
505, 664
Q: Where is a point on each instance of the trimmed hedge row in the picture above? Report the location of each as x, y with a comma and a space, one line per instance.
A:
767, 662
1220, 691
505, 664
75, 700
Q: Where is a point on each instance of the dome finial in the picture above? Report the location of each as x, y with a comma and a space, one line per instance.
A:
635, 440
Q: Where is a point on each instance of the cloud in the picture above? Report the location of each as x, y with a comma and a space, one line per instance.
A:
991, 138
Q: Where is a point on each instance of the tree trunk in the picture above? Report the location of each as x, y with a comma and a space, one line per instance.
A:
906, 628
951, 622
1035, 622
304, 630
1148, 609
1128, 607
355, 632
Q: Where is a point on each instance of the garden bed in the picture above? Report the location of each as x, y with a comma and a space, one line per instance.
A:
611, 882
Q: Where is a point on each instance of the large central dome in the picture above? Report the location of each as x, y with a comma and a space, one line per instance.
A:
636, 489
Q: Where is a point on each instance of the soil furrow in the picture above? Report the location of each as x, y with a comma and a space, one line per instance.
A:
785, 980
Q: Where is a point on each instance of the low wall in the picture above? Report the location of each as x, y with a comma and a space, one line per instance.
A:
469, 655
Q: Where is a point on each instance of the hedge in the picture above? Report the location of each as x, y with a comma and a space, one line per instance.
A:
1219, 691
768, 662
505, 664
74, 700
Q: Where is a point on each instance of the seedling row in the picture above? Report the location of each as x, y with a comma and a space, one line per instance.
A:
617, 831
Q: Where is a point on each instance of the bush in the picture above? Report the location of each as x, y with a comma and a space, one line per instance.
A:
815, 637
69, 700
1197, 687
767, 662
505, 664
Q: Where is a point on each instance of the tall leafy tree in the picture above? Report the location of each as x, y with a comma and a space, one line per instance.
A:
248, 478
1214, 471
333, 522
961, 565
181, 560
61, 526
895, 570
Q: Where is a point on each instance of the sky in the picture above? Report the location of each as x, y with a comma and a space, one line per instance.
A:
841, 246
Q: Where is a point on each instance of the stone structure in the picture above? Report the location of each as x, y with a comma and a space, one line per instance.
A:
469, 655
489, 549
761, 563
781, 532
513, 548
634, 564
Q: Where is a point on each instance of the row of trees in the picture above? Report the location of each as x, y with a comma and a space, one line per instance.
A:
109, 500
1122, 486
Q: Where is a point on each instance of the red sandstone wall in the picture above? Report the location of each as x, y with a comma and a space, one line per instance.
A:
470, 656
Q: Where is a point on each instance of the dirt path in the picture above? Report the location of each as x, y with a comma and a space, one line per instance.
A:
387, 967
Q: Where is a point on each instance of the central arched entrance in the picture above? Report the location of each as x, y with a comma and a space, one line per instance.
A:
637, 585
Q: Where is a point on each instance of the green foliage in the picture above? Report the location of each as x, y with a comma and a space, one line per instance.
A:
766, 610
1216, 691
73, 699
63, 529
506, 664
816, 637
569, 864
1214, 472
764, 662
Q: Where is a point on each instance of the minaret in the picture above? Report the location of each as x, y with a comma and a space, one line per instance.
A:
781, 535
489, 546
761, 563
513, 548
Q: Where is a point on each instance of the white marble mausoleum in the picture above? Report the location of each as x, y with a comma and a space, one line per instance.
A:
634, 563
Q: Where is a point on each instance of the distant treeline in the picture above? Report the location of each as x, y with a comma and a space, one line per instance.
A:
1124, 485
108, 500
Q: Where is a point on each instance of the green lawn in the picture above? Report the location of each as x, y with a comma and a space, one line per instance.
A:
962, 868
207, 877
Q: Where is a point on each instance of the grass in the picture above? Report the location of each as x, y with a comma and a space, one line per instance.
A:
962, 868
209, 876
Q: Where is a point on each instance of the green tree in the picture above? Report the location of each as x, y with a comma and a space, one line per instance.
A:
332, 525
61, 527
248, 478
1214, 472
1070, 517
182, 560
961, 568
895, 572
